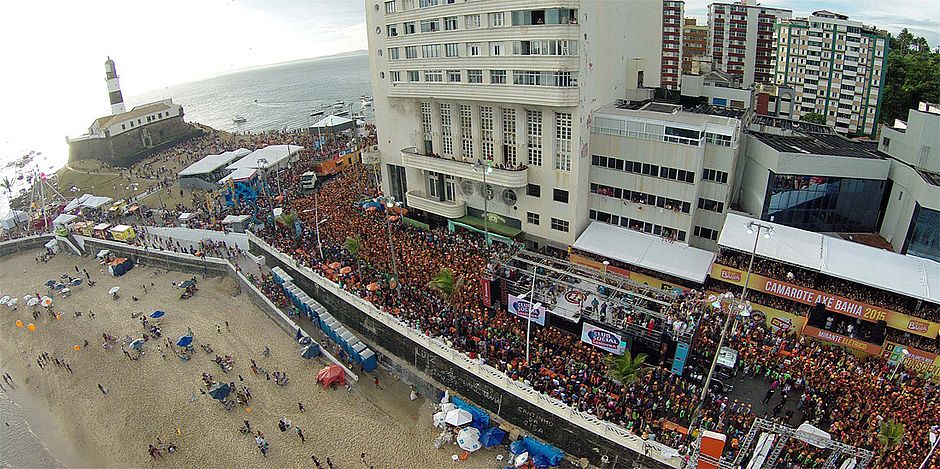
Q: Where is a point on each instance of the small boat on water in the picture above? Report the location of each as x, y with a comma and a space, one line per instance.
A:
239, 119
359, 115
339, 105
343, 113
365, 100
316, 113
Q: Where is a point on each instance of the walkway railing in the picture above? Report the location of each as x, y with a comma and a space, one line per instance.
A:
616, 434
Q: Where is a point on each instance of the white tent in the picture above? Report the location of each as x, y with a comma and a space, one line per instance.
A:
64, 219
13, 218
96, 201
331, 122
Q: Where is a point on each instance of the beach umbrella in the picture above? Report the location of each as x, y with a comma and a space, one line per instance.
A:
59, 286
373, 286
32, 302
185, 341
31, 327
19, 323
458, 417
27, 297
137, 344
76, 347
76, 282
66, 291
113, 290
64, 276
220, 392
469, 439
5, 300
187, 284
50, 283
13, 301
46, 301
157, 314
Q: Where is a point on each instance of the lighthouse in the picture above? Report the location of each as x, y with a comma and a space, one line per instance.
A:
114, 88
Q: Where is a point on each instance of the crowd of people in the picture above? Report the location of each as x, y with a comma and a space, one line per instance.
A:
574, 372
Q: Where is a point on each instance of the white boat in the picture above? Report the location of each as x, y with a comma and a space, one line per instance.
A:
339, 105
316, 113
365, 100
239, 119
342, 113
359, 115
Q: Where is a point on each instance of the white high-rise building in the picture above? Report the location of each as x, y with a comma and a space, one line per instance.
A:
741, 39
837, 67
513, 82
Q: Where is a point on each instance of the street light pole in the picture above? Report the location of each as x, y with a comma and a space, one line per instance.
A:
486, 169
532, 307
934, 436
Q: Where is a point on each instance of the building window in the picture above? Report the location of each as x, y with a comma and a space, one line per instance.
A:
428, 3
533, 190
453, 76
496, 19
560, 195
413, 76
426, 125
509, 137
475, 76
391, 30
123, 127
532, 218
544, 78
545, 47
435, 76
562, 141
923, 238
822, 203
498, 77
496, 49
549, 16
486, 128
411, 52
431, 25
390, 7
393, 53
714, 175
707, 233
474, 49
450, 50
534, 137
395, 76
411, 27
473, 21
431, 51
711, 205
447, 138
466, 130
450, 23
560, 225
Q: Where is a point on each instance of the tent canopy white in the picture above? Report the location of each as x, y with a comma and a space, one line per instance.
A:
229, 219
331, 121
877, 268
63, 219
96, 201
210, 163
239, 174
646, 250
13, 218
274, 155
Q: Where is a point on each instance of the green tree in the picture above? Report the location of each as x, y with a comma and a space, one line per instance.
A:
890, 435
353, 245
627, 369
287, 219
814, 118
446, 283
913, 75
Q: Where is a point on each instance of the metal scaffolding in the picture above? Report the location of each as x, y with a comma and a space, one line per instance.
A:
838, 451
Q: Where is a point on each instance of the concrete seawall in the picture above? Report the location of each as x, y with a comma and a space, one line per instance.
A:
24, 244
576, 433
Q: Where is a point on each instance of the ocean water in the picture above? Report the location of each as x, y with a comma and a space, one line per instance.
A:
20, 445
272, 97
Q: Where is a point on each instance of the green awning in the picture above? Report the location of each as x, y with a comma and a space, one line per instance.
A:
493, 227
415, 223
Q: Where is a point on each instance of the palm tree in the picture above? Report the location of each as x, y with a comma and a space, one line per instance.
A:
627, 369
890, 434
287, 220
7, 184
353, 245
446, 284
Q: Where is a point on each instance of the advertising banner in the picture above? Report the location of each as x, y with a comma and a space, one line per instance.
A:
487, 293
521, 308
848, 342
918, 360
603, 339
809, 296
678, 362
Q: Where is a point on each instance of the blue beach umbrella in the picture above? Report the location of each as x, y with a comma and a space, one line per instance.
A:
157, 314
220, 392
50, 283
137, 344
185, 341
76, 282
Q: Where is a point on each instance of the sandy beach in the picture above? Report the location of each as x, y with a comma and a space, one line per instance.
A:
150, 398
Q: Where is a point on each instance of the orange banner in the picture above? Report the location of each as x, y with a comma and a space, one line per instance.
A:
839, 304
918, 361
842, 340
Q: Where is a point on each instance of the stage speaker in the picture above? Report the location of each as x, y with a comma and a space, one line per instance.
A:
881, 331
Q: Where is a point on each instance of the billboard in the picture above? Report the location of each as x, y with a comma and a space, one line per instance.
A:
603, 339
521, 308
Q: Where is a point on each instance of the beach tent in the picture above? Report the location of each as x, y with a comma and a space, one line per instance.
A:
542, 454
64, 220
220, 392
311, 351
120, 266
13, 218
331, 374
492, 436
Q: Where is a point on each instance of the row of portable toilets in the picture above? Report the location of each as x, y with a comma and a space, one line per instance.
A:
317, 313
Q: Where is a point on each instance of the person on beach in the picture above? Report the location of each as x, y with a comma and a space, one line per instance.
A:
300, 433
103, 389
301, 406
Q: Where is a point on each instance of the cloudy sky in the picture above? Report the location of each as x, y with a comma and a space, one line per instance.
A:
55, 50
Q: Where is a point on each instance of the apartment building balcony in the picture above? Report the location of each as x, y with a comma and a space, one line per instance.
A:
507, 93
463, 169
416, 198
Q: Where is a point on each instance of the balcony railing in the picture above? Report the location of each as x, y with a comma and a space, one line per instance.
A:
445, 208
464, 169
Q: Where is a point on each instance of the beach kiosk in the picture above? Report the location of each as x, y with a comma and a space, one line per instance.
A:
123, 233
101, 230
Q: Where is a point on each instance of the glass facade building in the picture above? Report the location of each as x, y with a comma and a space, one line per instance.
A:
824, 204
923, 238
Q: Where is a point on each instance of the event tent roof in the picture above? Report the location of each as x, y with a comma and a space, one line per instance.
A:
647, 251
273, 154
332, 121
239, 175
64, 219
905, 275
229, 219
211, 163
96, 201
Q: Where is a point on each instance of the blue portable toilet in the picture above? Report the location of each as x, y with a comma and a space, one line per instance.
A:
368, 360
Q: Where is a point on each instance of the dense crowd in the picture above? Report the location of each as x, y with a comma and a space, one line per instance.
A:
835, 389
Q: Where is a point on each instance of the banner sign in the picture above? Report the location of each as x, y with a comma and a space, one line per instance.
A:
842, 305
603, 339
918, 360
521, 308
839, 339
487, 294
678, 362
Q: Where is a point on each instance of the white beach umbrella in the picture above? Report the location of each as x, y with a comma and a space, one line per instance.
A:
458, 417
13, 301
32, 302
521, 459
113, 290
5, 300
438, 419
469, 439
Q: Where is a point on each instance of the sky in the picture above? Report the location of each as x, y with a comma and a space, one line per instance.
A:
53, 84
